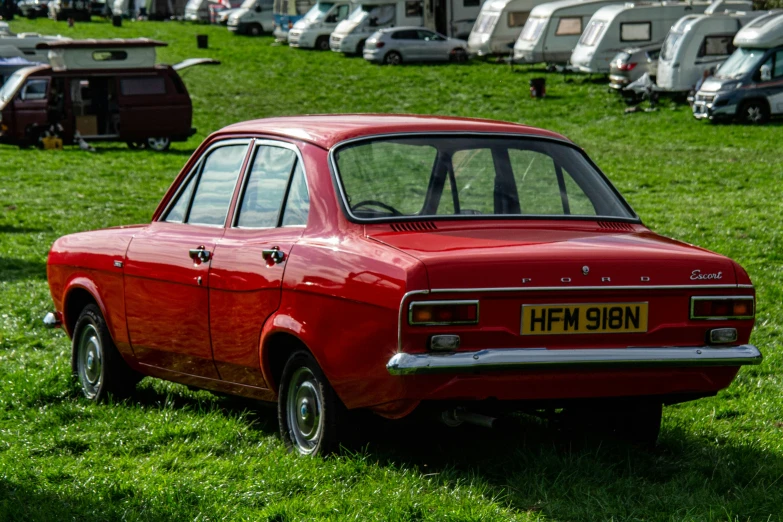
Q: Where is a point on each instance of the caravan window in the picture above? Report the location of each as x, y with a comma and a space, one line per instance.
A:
569, 26
716, 46
517, 18
635, 32
670, 46
485, 22
413, 9
532, 29
593, 33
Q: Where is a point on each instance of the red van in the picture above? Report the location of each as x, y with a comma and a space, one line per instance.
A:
99, 90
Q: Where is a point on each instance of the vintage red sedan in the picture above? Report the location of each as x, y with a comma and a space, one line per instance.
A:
382, 262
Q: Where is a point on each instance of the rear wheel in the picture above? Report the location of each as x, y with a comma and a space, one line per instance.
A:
159, 144
322, 43
135, 145
360, 47
754, 112
96, 363
307, 407
458, 55
392, 58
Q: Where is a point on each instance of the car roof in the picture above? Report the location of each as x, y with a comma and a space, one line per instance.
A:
327, 130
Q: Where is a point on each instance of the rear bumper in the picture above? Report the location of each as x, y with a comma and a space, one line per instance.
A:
535, 358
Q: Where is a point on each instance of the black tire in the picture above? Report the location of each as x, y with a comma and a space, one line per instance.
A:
255, 30
308, 409
136, 145
458, 55
98, 367
754, 112
360, 47
160, 144
392, 58
322, 43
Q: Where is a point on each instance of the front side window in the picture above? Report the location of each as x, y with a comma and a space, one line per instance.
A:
408, 34
34, 90
472, 177
517, 18
569, 26
636, 32
777, 71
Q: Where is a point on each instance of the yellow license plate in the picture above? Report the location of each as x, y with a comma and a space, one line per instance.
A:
559, 319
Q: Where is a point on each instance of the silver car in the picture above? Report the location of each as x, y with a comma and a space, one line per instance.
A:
629, 65
397, 45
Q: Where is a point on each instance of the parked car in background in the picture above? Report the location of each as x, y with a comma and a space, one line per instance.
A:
748, 86
220, 12
197, 10
33, 8
240, 285
312, 31
106, 90
498, 26
399, 45
26, 45
286, 14
79, 10
630, 64
253, 18
350, 35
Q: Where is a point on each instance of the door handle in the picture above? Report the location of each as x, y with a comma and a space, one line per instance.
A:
200, 254
273, 255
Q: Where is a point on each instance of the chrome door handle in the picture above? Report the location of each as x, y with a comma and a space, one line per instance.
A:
200, 254
274, 255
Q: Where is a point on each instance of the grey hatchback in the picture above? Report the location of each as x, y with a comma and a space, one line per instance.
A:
396, 45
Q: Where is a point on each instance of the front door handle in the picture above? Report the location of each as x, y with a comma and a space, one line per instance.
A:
200, 254
273, 255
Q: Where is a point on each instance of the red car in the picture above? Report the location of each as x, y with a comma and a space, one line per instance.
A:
380, 262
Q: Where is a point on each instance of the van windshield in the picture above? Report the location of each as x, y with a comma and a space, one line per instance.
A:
12, 84
532, 29
670, 46
593, 33
472, 177
358, 14
318, 11
740, 63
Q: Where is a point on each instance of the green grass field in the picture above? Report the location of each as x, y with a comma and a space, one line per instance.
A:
175, 454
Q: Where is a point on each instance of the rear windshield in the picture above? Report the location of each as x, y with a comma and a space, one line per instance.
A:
472, 176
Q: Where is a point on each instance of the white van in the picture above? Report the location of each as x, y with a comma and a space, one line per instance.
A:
695, 44
253, 18
616, 27
350, 34
498, 26
312, 31
553, 30
25, 45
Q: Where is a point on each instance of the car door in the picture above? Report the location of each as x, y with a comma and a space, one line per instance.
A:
167, 267
408, 44
250, 259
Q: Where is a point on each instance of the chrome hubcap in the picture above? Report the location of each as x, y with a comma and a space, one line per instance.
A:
303, 407
754, 114
89, 363
157, 143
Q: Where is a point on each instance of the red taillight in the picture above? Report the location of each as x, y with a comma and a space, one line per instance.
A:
444, 312
379, 44
722, 307
626, 66
290, 25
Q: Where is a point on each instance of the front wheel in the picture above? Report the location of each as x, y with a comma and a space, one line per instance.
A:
322, 43
254, 30
158, 144
307, 407
754, 112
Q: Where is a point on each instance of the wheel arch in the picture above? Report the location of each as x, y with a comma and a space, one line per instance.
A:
79, 293
753, 99
277, 345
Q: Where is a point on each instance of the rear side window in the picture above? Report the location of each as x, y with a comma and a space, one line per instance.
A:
406, 35
517, 18
720, 45
635, 32
569, 26
266, 187
297, 205
143, 86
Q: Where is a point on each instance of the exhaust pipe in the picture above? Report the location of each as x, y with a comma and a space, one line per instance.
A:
456, 416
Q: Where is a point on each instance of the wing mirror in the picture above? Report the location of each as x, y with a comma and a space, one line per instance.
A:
766, 73
258, 8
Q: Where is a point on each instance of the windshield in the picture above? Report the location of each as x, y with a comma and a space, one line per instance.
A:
472, 176
532, 29
593, 33
670, 46
318, 11
249, 4
12, 85
486, 22
358, 14
740, 63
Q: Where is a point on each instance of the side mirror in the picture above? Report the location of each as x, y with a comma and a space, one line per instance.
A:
766, 73
258, 8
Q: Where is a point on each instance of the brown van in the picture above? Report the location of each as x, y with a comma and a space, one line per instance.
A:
98, 90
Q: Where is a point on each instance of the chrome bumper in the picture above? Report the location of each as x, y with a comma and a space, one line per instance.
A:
535, 358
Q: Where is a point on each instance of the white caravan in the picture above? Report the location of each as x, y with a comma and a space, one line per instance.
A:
553, 30
350, 34
698, 44
616, 27
24, 45
498, 26
312, 31
454, 18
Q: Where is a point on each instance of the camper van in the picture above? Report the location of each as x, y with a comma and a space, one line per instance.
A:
106, 90
453, 18
553, 30
286, 14
253, 18
498, 26
615, 27
749, 85
312, 31
695, 44
350, 34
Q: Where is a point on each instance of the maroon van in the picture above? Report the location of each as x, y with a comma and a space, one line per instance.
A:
98, 90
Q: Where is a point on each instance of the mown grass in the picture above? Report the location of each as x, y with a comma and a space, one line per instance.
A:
175, 454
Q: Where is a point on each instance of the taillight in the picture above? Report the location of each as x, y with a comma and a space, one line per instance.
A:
378, 45
290, 25
443, 312
722, 307
626, 66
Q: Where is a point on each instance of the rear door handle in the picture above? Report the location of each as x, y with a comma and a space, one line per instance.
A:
273, 255
200, 254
